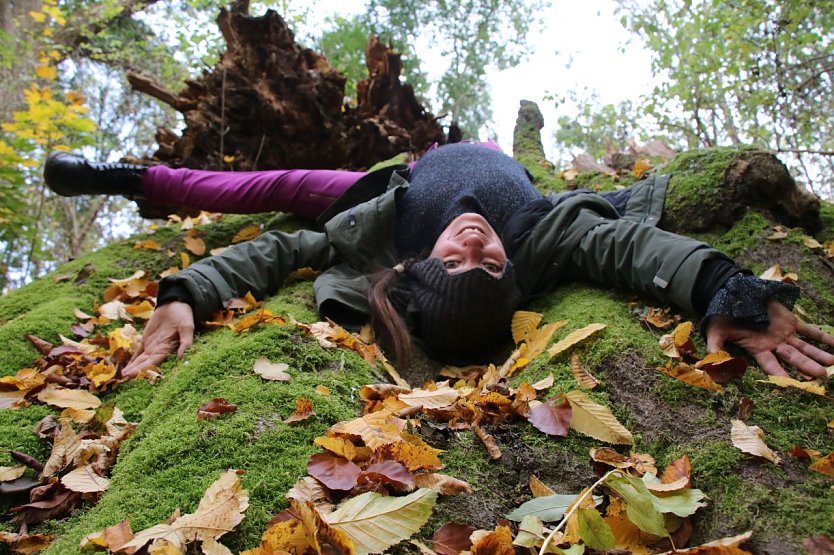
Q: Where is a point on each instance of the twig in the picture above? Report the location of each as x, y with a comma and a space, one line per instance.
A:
806, 151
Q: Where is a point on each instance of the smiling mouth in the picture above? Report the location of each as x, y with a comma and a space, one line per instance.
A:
474, 229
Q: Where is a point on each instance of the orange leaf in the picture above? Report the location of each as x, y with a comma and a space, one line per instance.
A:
497, 542
688, 374
248, 232
303, 410
585, 379
824, 465
195, 245
722, 367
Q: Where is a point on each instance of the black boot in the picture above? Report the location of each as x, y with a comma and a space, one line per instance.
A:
70, 176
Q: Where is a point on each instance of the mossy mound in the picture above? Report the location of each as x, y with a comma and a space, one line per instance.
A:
172, 457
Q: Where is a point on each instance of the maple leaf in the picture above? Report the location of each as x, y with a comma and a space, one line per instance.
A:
750, 439
374, 523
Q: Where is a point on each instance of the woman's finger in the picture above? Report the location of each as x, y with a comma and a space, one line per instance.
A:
810, 351
799, 361
813, 332
768, 362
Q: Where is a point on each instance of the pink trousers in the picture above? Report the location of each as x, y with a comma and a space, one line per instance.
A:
304, 192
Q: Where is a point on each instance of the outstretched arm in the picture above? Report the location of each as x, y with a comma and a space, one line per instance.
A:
779, 341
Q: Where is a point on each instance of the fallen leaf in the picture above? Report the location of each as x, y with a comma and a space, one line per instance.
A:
811, 243
583, 377
452, 538
690, 375
725, 546
799, 452
334, 472
374, 523
639, 503
147, 244
303, 411
678, 343
819, 545
785, 382
778, 233
774, 273
496, 542
574, 338
214, 408
523, 323
596, 421
539, 488
549, 508
552, 417
659, 318
9, 473
68, 398
750, 439
825, 465
390, 473
322, 390
85, 480
640, 463
276, 371
111, 538
439, 398
26, 544
488, 441
247, 233
376, 430
445, 485
195, 245
677, 469
309, 489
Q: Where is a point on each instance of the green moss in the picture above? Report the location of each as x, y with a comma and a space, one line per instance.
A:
745, 235
827, 217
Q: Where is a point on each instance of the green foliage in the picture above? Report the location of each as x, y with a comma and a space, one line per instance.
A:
753, 72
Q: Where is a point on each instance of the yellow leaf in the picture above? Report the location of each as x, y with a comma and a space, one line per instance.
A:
774, 273
68, 398
85, 480
538, 339
596, 421
785, 381
148, 244
46, 72
440, 398
338, 445
79, 416
376, 430
195, 245
539, 488
247, 233
228, 159
523, 323
811, 243
100, 373
38, 17
185, 260
573, 338
9, 473
724, 546
374, 523
750, 439
685, 373
322, 390
641, 166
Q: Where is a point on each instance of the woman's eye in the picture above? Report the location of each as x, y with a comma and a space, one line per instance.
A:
492, 267
450, 264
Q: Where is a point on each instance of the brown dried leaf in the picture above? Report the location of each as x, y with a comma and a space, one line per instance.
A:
583, 377
819, 545
452, 538
489, 442
334, 472
573, 339
84, 479
276, 371
310, 489
111, 538
750, 439
659, 318
376, 430
214, 408
722, 367
725, 546
677, 469
68, 398
678, 343
774, 273
9, 473
445, 485
811, 243
303, 410
390, 473
439, 398
497, 542
26, 544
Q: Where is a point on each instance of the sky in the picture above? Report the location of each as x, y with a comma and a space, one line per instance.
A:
582, 46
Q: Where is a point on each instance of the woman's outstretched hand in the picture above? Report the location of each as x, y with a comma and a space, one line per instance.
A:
779, 341
171, 328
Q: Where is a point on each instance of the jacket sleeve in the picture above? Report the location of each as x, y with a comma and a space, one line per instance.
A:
260, 265
628, 255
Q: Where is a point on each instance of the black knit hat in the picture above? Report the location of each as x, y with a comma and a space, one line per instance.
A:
462, 318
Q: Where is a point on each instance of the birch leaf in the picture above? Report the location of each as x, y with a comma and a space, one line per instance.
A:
574, 338
750, 439
83, 479
69, 398
596, 421
374, 523
785, 381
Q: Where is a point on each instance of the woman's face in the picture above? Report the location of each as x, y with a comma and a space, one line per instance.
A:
469, 242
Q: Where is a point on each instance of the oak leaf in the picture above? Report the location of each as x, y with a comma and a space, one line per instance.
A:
750, 439
596, 421
374, 523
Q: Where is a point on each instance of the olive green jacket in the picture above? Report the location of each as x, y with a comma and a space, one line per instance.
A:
582, 238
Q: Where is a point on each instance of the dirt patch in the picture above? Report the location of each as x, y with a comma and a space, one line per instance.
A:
504, 483
630, 384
